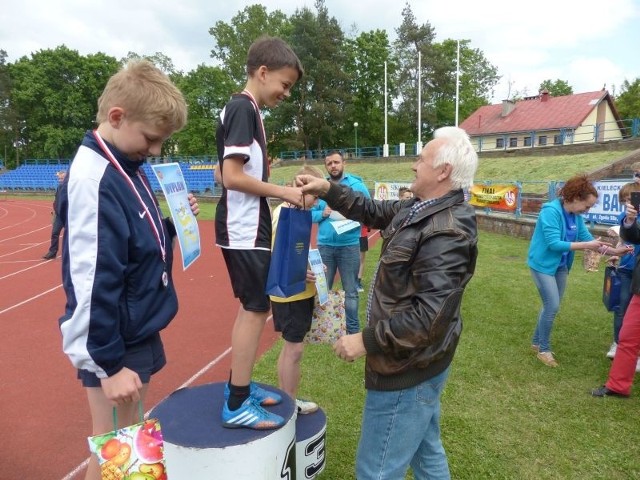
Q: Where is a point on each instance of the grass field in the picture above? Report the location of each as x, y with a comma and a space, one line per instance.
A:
505, 415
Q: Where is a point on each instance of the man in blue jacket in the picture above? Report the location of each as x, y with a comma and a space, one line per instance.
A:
339, 239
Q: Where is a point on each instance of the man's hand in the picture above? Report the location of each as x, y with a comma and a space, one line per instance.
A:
123, 387
313, 185
350, 347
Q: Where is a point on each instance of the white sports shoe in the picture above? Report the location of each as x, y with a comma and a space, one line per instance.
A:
305, 407
638, 366
612, 350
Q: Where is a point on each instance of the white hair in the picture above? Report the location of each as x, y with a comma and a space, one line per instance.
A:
457, 151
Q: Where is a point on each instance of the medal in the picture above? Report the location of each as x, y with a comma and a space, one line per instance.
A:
146, 212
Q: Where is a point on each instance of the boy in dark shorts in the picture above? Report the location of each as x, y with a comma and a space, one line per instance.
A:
117, 256
243, 221
292, 317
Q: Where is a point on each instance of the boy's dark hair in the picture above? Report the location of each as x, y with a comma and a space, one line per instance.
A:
402, 190
274, 53
334, 152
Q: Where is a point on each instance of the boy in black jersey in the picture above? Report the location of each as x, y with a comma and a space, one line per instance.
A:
243, 220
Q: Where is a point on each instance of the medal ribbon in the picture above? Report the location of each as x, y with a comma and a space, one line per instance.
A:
154, 228
264, 133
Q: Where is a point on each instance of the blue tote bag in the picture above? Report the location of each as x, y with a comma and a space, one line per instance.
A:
290, 255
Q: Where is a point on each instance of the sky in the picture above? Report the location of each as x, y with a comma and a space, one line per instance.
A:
587, 43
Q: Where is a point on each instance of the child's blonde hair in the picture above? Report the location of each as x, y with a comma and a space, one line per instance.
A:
146, 95
309, 170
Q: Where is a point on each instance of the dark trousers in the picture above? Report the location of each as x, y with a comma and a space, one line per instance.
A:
55, 234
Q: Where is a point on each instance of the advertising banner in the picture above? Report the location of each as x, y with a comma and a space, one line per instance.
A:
496, 196
607, 208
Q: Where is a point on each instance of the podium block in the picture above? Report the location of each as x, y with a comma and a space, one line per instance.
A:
198, 447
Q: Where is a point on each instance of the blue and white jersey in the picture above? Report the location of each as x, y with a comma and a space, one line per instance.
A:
112, 266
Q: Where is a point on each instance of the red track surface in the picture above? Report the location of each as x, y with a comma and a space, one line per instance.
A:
44, 417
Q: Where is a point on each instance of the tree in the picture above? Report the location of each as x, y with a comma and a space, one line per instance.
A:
628, 102
54, 96
366, 56
7, 115
412, 40
319, 101
478, 77
232, 41
557, 88
159, 59
206, 90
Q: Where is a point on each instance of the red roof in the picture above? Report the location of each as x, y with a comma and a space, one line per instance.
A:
536, 113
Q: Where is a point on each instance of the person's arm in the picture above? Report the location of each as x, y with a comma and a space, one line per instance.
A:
551, 221
234, 178
440, 270
98, 255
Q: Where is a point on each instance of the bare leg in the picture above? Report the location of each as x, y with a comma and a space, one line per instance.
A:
102, 420
289, 368
244, 344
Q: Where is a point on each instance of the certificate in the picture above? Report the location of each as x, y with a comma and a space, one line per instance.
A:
317, 267
175, 192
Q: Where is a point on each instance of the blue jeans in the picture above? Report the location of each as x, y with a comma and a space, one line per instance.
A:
551, 289
625, 298
345, 260
401, 428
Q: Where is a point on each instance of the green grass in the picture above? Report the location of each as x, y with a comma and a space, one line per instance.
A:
505, 415
524, 169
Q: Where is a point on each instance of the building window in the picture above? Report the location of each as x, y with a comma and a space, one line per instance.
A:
527, 141
499, 142
557, 139
513, 142
542, 140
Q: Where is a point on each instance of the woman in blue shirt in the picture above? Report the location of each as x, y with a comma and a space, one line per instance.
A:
559, 231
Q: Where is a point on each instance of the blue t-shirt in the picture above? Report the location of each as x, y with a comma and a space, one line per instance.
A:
571, 233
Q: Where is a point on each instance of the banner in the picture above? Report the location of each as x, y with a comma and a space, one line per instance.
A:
496, 196
175, 192
607, 208
388, 190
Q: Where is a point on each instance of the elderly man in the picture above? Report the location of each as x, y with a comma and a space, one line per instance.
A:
413, 313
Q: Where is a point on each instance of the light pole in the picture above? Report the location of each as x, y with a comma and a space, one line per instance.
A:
355, 127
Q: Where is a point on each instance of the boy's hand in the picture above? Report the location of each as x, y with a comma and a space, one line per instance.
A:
293, 195
193, 203
123, 387
311, 277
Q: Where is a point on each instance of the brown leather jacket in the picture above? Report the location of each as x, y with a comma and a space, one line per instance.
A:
413, 321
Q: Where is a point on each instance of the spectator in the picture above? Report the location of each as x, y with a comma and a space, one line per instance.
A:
57, 222
364, 248
624, 364
404, 193
413, 313
292, 317
624, 269
340, 251
243, 221
559, 231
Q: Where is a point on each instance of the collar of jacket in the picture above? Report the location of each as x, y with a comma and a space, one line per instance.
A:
454, 197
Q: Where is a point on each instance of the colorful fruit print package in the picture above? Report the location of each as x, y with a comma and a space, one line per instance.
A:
131, 453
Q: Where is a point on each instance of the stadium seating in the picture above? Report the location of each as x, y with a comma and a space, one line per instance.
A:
42, 177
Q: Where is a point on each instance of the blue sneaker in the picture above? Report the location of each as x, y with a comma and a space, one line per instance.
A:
250, 415
264, 397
